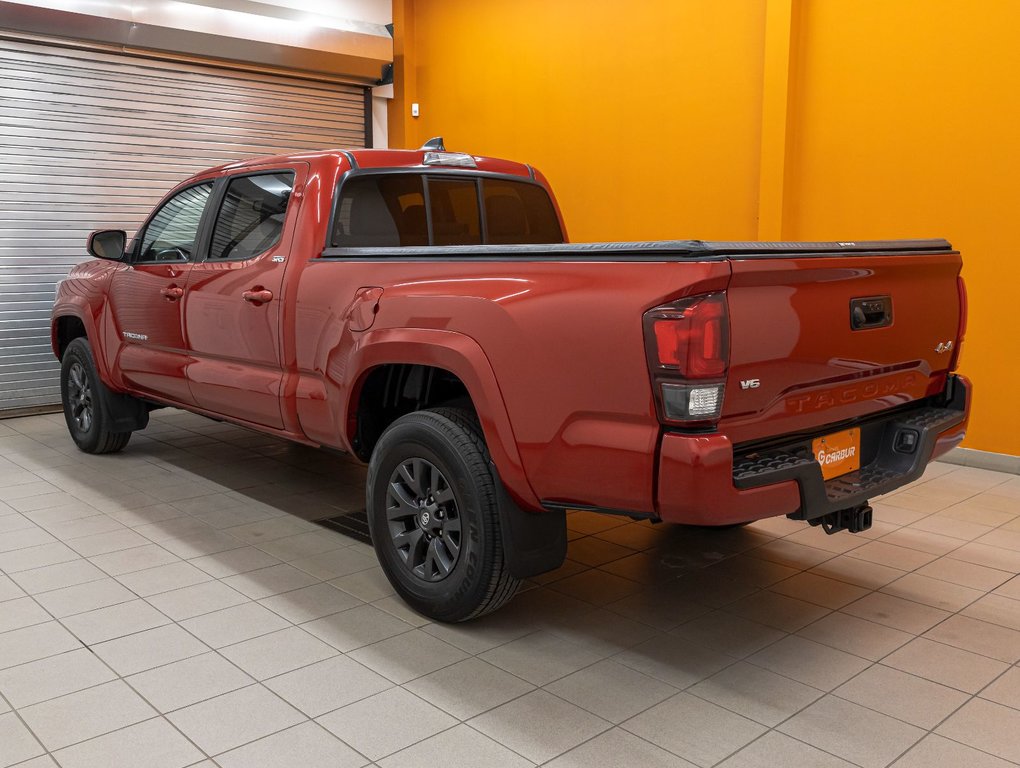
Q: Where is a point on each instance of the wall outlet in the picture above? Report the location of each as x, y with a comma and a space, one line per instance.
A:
414, 109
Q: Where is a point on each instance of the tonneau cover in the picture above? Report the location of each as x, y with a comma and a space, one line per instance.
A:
657, 250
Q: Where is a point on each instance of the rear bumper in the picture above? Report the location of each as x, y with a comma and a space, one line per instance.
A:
702, 482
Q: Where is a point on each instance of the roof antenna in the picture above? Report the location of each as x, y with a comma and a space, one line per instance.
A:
435, 144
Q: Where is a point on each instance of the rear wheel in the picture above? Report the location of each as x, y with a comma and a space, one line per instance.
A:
83, 397
432, 512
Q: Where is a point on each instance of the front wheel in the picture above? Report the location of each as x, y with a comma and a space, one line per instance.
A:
85, 408
431, 503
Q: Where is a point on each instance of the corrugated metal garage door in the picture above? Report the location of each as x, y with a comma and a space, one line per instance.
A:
92, 140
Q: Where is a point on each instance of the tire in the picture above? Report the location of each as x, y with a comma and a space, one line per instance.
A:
431, 504
84, 397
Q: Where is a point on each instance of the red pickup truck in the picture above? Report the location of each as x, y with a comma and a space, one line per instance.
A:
422, 311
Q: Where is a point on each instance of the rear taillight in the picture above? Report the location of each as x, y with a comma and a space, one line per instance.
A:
688, 348
961, 328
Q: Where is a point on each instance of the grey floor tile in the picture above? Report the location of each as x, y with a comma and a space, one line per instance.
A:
808, 662
404, 657
9, 590
987, 726
113, 622
901, 695
21, 612
82, 598
189, 681
933, 592
541, 657
305, 544
957, 668
54, 676
278, 652
17, 743
857, 636
979, 637
934, 750
756, 693
729, 634
134, 559
163, 578
306, 745
234, 625
180, 604
233, 719
103, 543
36, 557
356, 627
234, 561
895, 612
787, 614
152, 743
615, 748
273, 580
367, 725
629, 691
367, 585
1005, 690
835, 726
152, 648
698, 730
775, 750
674, 660
86, 714
468, 688
35, 642
459, 747
310, 603
539, 726
57, 576
24, 538
327, 685
819, 590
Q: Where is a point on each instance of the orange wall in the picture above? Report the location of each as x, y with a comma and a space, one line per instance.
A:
644, 117
901, 120
905, 122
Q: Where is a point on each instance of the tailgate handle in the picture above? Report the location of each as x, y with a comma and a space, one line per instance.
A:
870, 312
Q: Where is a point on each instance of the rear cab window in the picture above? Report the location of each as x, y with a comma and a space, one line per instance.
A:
395, 210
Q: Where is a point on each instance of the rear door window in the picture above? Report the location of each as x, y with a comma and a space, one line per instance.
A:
517, 212
386, 210
251, 217
389, 210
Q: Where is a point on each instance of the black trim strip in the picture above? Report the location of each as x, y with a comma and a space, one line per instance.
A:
562, 506
667, 250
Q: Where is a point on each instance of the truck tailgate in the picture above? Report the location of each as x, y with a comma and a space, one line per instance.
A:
819, 339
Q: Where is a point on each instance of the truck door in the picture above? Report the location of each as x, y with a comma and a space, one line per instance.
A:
146, 297
232, 303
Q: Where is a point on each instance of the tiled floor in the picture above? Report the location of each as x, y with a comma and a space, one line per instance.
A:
170, 606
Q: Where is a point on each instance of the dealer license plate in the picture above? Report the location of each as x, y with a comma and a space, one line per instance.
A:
838, 453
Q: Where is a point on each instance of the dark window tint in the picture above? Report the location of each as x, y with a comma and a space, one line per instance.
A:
517, 212
454, 208
382, 211
171, 233
251, 217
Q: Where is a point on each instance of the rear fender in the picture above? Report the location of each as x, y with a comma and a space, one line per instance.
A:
463, 357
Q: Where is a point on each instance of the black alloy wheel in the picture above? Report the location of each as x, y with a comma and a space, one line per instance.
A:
79, 396
424, 522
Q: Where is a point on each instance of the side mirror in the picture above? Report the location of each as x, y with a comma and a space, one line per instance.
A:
107, 244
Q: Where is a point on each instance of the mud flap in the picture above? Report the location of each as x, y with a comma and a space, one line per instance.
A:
533, 542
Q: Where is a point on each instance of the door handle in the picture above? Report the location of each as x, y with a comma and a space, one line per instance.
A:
257, 295
172, 293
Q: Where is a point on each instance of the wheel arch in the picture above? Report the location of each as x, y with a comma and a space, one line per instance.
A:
461, 363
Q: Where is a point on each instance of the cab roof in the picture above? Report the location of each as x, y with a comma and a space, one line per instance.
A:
389, 158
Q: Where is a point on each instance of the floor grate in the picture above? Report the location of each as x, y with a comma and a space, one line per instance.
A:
353, 524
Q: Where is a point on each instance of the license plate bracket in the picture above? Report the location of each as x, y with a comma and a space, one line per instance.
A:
838, 453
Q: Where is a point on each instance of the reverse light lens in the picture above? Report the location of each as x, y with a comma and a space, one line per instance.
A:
683, 402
